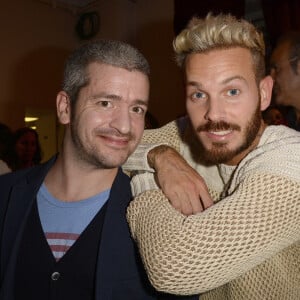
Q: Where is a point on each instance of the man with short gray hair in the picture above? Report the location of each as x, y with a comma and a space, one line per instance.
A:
63, 229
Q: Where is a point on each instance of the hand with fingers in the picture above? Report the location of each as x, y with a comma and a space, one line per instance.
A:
182, 185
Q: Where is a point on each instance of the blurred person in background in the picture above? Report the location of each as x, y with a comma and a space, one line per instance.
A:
5, 140
273, 115
285, 70
25, 149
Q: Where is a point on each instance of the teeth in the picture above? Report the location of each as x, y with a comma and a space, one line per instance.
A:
220, 132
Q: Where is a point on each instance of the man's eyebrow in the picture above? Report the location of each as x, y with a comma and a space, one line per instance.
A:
141, 102
195, 84
198, 85
117, 98
105, 95
237, 77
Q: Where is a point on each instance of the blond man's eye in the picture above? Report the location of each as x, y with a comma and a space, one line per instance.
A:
233, 92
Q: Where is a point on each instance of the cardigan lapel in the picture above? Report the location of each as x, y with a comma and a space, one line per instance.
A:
115, 239
22, 195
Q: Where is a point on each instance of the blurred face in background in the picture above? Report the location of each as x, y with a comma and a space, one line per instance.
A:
273, 116
26, 147
287, 81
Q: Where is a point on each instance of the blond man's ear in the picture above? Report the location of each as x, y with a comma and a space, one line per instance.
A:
265, 88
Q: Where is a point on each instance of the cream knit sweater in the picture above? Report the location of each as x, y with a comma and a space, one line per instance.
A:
246, 246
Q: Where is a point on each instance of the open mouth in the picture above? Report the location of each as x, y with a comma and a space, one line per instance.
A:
114, 141
221, 132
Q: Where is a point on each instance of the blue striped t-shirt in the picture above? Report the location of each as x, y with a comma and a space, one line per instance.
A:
63, 222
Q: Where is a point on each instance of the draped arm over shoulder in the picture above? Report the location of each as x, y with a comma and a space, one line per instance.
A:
137, 164
189, 255
167, 135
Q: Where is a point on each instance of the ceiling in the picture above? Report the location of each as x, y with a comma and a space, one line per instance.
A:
76, 3
75, 6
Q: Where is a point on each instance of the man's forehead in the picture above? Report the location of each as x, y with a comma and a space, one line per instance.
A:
224, 64
220, 55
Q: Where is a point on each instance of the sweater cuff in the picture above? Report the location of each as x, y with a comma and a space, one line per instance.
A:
138, 160
143, 182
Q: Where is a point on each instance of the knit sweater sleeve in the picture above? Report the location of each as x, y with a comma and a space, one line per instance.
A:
194, 254
168, 134
137, 164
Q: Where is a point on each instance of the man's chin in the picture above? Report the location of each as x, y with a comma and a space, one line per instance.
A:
216, 157
219, 154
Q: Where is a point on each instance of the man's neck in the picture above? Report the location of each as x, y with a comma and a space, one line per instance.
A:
69, 181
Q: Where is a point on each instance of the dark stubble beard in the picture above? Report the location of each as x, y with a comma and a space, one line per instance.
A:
83, 154
91, 155
219, 153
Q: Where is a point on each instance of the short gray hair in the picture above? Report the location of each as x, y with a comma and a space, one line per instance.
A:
111, 52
